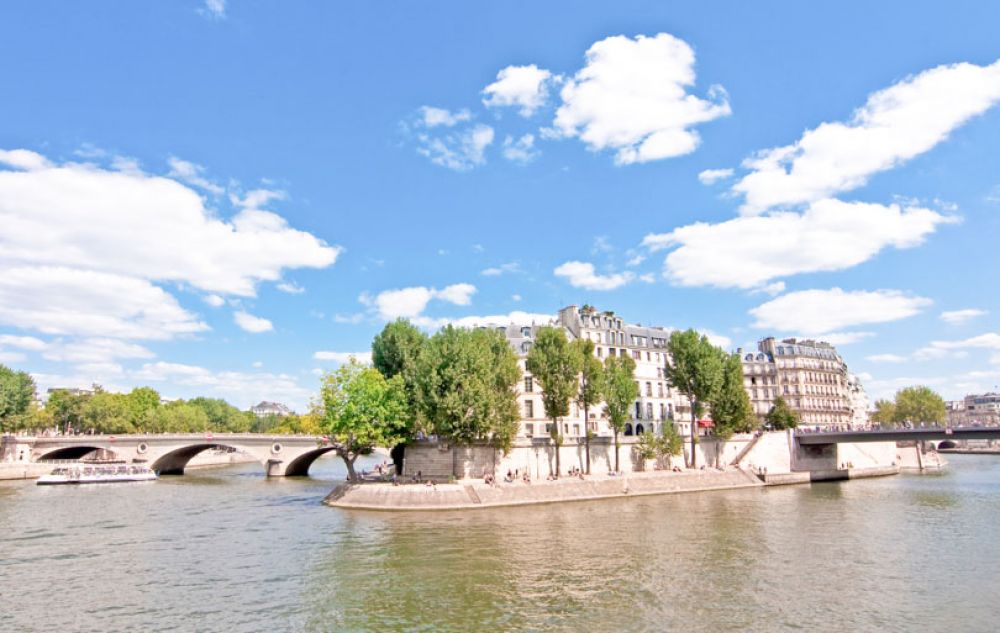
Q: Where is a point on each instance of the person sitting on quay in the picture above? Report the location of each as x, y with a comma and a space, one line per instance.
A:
509, 477
526, 477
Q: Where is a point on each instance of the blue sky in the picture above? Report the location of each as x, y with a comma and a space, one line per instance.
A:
225, 198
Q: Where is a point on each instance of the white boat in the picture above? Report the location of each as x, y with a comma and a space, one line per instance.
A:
91, 474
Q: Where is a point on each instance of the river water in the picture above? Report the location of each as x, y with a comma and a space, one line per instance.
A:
228, 550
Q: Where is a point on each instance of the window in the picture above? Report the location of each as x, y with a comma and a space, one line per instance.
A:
611, 351
638, 410
649, 356
529, 408
649, 389
576, 429
637, 355
600, 352
529, 429
663, 411
528, 384
649, 410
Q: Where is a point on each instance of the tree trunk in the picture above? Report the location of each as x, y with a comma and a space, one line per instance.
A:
617, 467
555, 439
694, 435
586, 434
349, 462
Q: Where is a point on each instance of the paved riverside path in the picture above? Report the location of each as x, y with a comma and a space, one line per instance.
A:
476, 494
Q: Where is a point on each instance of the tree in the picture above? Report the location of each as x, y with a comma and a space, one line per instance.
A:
670, 443
695, 369
363, 409
17, 392
780, 416
591, 390
647, 448
394, 353
620, 391
107, 413
885, 412
466, 386
141, 402
222, 416
731, 408
918, 405
66, 409
556, 365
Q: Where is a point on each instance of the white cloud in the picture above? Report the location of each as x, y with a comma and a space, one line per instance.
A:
290, 287
520, 151
192, 174
647, 278
517, 317
409, 303
460, 151
719, 340
750, 251
353, 319
815, 312
496, 271
887, 358
214, 9
57, 300
631, 96
364, 358
23, 342
148, 227
895, 125
845, 338
515, 297
523, 86
958, 317
988, 341
23, 159
712, 176
94, 350
257, 364
214, 300
251, 323
241, 388
12, 357
583, 275
433, 117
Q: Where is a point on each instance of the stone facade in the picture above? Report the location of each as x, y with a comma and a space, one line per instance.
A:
811, 377
975, 409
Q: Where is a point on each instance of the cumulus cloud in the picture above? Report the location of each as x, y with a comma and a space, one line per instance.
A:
830, 235
631, 97
290, 287
712, 176
252, 323
886, 358
895, 125
582, 275
148, 227
214, 300
525, 87
94, 350
364, 358
23, 342
958, 317
241, 388
517, 317
459, 151
521, 150
410, 303
815, 312
433, 117
496, 271
192, 174
59, 300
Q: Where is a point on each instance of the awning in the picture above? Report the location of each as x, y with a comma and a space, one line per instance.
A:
706, 423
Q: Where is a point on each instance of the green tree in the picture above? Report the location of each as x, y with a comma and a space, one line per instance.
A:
222, 416
141, 402
780, 416
556, 365
591, 389
918, 405
620, 391
732, 411
362, 410
670, 443
695, 369
885, 412
17, 392
466, 386
178, 417
107, 413
395, 351
67, 409
648, 447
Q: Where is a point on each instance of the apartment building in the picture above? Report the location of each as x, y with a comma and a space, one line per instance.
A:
811, 377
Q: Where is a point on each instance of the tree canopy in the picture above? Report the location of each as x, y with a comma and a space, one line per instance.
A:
395, 351
591, 389
466, 386
732, 411
919, 405
780, 416
363, 409
17, 393
555, 364
620, 391
885, 412
695, 368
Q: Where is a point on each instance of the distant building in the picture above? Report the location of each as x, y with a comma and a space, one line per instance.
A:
976, 409
811, 377
70, 391
859, 401
265, 409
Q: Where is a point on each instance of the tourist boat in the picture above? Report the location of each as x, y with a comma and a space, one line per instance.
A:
87, 474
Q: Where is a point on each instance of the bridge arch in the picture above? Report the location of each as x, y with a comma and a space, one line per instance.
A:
74, 452
173, 462
299, 467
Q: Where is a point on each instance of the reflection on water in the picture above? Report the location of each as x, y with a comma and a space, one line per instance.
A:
228, 550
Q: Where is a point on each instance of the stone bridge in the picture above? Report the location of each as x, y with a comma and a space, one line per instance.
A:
952, 433
168, 454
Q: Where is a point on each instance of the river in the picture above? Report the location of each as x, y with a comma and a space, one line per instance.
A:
228, 550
